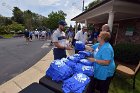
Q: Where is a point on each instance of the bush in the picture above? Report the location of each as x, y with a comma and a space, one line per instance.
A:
127, 53
1, 37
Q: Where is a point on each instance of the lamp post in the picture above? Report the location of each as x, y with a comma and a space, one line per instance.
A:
83, 6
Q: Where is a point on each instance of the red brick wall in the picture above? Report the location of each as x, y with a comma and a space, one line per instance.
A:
123, 24
121, 38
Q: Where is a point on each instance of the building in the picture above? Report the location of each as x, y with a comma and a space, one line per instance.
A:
123, 17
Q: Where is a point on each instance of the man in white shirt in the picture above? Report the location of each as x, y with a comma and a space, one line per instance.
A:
81, 36
36, 34
43, 35
59, 41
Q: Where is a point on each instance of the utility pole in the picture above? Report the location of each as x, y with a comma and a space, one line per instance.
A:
83, 6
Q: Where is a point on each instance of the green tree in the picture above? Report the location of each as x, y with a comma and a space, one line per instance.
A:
28, 19
95, 2
2, 20
33, 20
36, 20
18, 15
15, 27
5, 20
91, 27
8, 21
54, 18
2, 29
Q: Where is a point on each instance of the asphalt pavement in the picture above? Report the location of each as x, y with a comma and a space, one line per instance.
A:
16, 56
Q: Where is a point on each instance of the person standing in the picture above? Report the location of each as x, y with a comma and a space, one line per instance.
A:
104, 65
26, 34
43, 35
95, 35
81, 36
59, 41
70, 35
106, 28
30, 36
49, 34
36, 34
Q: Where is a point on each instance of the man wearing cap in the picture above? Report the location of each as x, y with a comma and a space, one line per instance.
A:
59, 41
26, 34
81, 36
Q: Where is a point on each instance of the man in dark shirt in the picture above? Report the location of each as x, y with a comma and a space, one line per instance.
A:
26, 34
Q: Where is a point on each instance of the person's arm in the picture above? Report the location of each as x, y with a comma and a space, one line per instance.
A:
86, 37
106, 56
62, 47
92, 48
102, 62
88, 48
77, 36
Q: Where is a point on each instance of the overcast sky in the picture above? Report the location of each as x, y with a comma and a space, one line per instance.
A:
71, 7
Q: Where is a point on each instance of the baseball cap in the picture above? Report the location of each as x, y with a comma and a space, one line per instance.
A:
62, 22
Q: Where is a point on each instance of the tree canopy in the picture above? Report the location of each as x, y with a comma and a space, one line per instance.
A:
54, 18
95, 2
30, 20
18, 15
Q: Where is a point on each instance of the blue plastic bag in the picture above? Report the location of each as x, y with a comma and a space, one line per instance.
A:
76, 84
70, 63
59, 71
86, 62
85, 53
80, 68
79, 45
81, 56
74, 59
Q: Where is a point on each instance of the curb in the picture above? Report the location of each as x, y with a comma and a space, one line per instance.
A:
33, 74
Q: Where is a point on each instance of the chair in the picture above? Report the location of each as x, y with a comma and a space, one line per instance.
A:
126, 71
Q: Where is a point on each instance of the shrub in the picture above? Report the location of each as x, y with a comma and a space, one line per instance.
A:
127, 53
1, 37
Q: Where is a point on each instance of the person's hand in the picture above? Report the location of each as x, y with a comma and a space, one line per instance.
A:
91, 59
68, 48
89, 48
86, 42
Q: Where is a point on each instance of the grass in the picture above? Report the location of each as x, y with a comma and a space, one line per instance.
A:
7, 35
123, 85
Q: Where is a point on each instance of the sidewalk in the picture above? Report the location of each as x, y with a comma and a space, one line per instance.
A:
29, 76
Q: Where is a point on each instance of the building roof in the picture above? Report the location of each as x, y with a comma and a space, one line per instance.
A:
101, 3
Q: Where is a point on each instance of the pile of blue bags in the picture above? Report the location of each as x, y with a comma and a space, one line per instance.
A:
80, 68
79, 45
74, 71
59, 71
76, 84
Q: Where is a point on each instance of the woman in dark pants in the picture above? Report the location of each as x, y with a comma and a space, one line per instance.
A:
104, 66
